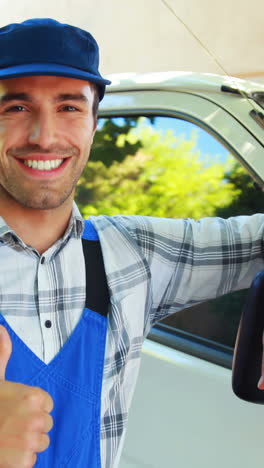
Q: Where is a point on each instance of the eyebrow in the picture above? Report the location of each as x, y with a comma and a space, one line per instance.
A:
15, 97
71, 97
9, 97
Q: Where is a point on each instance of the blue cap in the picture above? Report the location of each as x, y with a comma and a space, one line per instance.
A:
47, 47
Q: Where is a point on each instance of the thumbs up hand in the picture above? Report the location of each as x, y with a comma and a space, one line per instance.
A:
24, 416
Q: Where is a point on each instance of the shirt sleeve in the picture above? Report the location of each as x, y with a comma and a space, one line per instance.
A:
193, 261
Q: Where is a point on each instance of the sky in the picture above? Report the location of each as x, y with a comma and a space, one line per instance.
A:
206, 143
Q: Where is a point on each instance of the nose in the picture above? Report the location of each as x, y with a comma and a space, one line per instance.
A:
42, 129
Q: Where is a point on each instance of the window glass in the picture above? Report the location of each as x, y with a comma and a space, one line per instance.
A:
163, 166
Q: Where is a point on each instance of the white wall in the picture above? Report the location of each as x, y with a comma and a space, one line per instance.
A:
145, 35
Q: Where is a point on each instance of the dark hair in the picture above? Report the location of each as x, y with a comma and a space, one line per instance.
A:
95, 101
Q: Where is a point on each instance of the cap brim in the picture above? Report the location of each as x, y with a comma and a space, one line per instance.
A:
38, 69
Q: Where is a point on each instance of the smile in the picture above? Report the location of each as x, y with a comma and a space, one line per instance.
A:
41, 165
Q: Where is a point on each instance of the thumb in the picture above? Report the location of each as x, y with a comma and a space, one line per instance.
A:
5, 350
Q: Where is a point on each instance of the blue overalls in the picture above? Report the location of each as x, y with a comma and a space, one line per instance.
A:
74, 377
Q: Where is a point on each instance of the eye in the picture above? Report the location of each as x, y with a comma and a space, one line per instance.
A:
17, 108
69, 108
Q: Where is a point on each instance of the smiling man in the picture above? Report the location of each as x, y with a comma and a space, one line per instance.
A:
47, 128
49, 115
77, 298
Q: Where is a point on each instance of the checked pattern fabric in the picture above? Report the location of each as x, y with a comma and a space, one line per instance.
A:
154, 267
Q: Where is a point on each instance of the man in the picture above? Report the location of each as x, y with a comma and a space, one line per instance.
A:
70, 340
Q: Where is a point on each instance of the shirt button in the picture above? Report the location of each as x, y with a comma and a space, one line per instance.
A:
48, 324
42, 260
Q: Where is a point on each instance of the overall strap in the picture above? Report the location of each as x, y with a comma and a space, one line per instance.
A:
97, 293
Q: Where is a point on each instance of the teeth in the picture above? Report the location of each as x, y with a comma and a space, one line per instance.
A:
43, 165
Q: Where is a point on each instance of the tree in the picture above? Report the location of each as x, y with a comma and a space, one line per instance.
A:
105, 146
249, 198
165, 177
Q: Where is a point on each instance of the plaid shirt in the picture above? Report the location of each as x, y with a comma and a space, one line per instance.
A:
154, 267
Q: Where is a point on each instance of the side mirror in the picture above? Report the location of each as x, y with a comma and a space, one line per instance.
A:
249, 347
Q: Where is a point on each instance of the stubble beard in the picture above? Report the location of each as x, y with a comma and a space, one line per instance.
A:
44, 197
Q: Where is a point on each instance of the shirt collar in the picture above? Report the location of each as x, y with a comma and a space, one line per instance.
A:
75, 228
76, 223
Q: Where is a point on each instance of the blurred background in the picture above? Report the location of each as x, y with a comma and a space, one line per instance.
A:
161, 35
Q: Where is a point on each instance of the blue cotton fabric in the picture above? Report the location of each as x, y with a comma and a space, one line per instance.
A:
74, 381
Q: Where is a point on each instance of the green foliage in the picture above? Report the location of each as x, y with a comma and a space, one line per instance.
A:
105, 146
249, 199
166, 177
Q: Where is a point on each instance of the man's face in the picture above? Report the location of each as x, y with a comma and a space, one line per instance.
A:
46, 131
